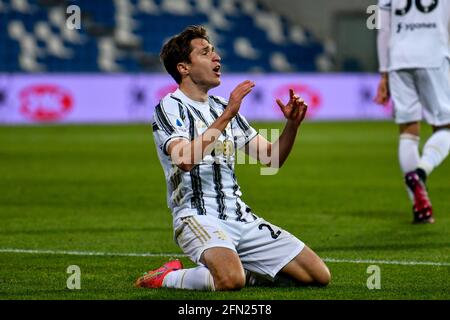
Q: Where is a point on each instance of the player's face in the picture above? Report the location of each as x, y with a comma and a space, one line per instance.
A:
204, 69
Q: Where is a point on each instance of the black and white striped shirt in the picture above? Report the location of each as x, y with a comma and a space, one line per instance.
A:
210, 188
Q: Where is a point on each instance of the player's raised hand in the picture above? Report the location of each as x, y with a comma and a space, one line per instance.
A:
237, 95
295, 109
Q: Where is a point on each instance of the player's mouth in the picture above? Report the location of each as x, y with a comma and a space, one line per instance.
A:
217, 70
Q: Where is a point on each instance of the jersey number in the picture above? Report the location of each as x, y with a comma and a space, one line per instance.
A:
419, 5
272, 233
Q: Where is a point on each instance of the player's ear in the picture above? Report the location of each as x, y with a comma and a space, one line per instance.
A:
183, 69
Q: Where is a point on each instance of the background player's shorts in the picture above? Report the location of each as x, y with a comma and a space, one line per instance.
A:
263, 248
417, 92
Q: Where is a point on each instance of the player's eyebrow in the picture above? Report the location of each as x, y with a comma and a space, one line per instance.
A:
207, 48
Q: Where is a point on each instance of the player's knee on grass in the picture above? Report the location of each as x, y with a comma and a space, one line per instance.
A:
320, 274
319, 277
228, 281
323, 276
225, 268
308, 269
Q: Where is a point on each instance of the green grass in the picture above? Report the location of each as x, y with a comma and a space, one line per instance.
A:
101, 188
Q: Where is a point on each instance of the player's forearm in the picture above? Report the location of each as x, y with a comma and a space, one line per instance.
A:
281, 149
193, 153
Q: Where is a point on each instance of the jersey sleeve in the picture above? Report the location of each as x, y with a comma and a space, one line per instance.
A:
243, 132
169, 122
383, 39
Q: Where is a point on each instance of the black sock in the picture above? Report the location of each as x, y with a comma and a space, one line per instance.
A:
422, 174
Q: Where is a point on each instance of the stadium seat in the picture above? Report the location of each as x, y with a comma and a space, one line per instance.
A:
127, 35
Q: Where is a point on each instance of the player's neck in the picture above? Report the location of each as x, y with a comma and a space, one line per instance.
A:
194, 92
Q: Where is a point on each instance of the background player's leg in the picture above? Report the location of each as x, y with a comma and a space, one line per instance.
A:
308, 268
436, 149
408, 149
434, 90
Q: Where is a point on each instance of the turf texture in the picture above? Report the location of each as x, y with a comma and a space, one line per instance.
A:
101, 189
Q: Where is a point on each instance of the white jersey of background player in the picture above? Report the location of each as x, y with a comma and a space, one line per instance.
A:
418, 36
414, 53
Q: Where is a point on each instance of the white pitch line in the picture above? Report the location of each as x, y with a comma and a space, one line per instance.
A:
125, 254
395, 262
90, 253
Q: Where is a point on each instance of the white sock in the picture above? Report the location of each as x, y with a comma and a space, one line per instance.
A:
408, 155
436, 149
408, 152
192, 279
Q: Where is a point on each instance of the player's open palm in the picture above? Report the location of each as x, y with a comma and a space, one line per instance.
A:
238, 94
295, 109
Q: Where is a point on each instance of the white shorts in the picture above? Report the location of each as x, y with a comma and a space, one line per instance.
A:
421, 92
263, 248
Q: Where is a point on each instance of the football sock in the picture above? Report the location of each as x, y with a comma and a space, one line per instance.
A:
436, 149
198, 278
408, 155
408, 152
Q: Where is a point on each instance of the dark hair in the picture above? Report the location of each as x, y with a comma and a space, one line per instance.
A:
178, 49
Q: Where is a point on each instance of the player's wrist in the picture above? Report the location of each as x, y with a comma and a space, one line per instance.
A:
293, 123
228, 114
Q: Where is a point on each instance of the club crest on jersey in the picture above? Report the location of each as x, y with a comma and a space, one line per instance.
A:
179, 123
225, 148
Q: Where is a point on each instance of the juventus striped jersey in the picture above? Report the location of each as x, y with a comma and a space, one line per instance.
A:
419, 35
210, 188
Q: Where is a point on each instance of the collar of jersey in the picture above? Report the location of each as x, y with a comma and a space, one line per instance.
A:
197, 104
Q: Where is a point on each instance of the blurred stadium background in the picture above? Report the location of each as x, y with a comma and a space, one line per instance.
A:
71, 193
126, 35
49, 72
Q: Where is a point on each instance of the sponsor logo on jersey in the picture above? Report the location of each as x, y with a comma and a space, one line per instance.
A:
415, 26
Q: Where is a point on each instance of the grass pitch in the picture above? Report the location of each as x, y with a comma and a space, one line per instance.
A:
101, 189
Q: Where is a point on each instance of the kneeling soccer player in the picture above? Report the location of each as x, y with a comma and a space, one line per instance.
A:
196, 137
